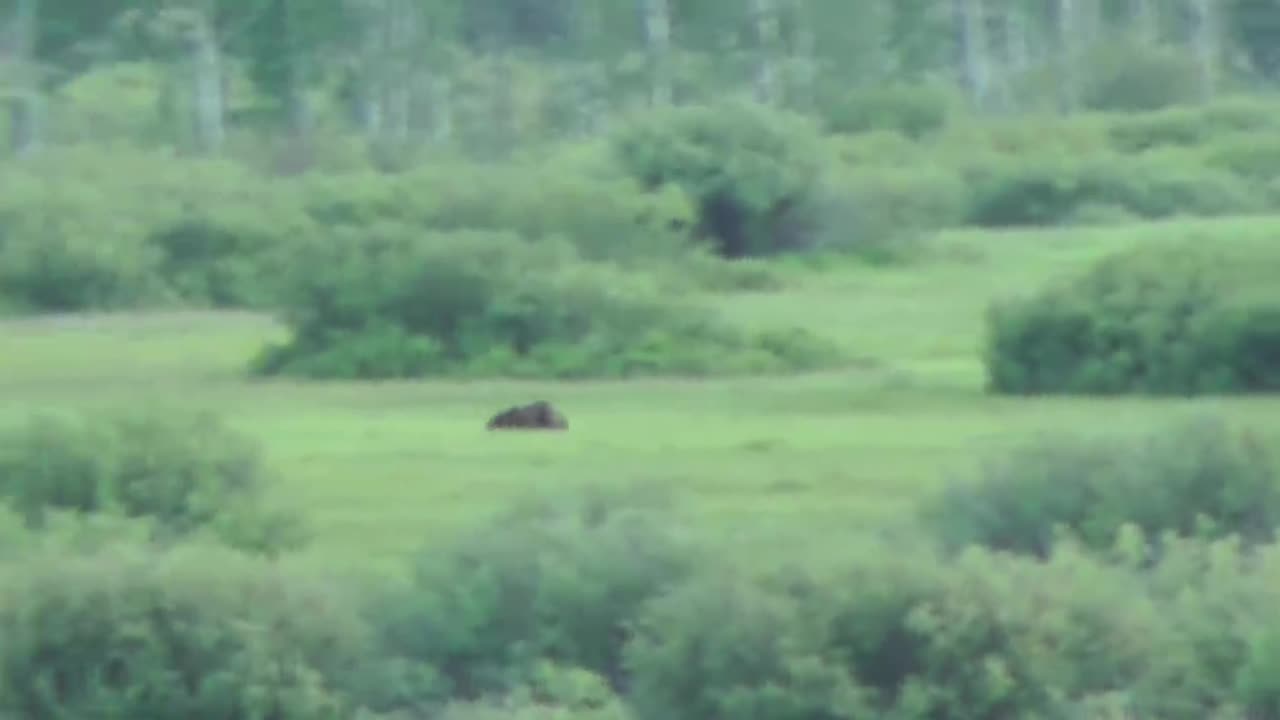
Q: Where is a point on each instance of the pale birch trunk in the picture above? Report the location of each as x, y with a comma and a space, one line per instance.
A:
1205, 42
804, 56
1066, 53
657, 32
372, 68
766, 24
1143, 17
441, 109
971, 31
206, 83
17, 62
397, 99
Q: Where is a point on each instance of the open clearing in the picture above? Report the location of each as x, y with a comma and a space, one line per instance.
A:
382, 467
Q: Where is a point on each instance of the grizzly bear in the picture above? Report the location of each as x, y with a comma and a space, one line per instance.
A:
534, 416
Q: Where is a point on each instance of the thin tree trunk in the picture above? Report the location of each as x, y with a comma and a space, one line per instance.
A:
369, 95
207, 84
657, 31
766, 24
1143, 16
1066, 53
974, 69
18, 51
803, 55
1204, 40
441, 109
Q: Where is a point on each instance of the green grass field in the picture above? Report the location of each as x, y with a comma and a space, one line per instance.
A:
382, 467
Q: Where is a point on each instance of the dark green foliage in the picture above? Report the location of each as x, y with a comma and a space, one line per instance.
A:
557, 580
895, 634
876, 213
1193, 478
913, 110
749, 169
187, 473
1049, 189
229, 253
1135, 77
1190, 126
603, 216
128, 630
1159, 321
396, 304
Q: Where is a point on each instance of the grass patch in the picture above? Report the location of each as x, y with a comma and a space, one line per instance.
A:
378, 467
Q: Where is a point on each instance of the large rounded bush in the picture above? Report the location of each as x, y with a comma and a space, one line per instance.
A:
127, 630
894, 634
188, 473
750, 170
399, 304
558, 579
603, 215
1154, 320
1193, 478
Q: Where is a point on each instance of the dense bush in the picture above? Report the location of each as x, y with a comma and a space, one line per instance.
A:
1135, 77
188, 473
84, 230
750, 171
604, 216
1190, 126
1046, 189
913, 110
557, 580
876, 213
1193, 478
192, 632
1153, 320
894, 634
396, 304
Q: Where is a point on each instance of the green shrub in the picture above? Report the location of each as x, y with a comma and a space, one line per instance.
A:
84, 230
1048, 189
192, 632
558, 579
1219, 599
1252, 155
482, 304
877, 213
1136, 77
70, 249
603, 216
1192, 478
1191, 126
893, 634
186, 472
750, 171
913, 110
229, 252
1156, 321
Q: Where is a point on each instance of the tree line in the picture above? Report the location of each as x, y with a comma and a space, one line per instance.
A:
402, 70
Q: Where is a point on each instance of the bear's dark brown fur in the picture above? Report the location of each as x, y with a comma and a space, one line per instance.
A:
534, 416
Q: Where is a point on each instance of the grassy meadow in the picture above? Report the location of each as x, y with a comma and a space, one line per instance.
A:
764, 462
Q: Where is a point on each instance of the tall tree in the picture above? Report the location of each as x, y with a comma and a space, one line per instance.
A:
19, 79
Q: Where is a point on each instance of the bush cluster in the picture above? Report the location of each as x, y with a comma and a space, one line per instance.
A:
603, 603
1157, 320
182, 474
750, 171
1193, 478
397, 304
